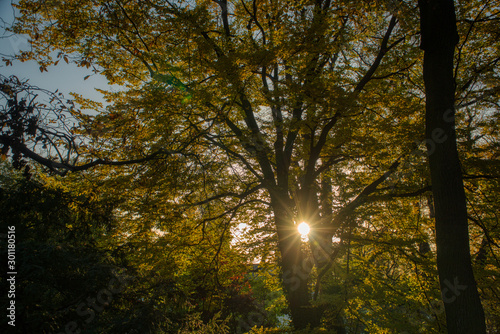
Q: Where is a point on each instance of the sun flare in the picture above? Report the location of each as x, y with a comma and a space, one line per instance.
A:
304, 228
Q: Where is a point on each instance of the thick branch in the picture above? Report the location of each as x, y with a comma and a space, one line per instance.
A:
62, 168
225, 22
363, 196
382, 51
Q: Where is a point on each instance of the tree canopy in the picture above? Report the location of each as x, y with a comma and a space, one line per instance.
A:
256, 116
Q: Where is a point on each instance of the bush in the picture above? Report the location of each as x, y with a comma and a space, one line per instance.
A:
262, 330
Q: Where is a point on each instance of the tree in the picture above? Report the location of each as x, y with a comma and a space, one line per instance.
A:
76, 271
464, 312
60, 259
279, 114
270, 112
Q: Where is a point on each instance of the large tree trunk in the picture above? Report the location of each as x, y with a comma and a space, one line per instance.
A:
464, 312
295, 267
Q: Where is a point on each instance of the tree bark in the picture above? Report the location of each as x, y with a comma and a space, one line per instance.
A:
295, 267
464, 312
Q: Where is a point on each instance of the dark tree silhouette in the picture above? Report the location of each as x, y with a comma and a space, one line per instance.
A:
464, 312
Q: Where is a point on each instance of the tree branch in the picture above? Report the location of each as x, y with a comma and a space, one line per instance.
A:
229, 194
382, 51
362, 197
61, 168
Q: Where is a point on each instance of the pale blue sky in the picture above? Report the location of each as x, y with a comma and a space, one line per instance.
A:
65, 77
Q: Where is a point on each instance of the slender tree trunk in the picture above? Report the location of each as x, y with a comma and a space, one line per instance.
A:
464, 312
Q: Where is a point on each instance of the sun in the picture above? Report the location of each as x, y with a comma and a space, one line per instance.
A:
304, 229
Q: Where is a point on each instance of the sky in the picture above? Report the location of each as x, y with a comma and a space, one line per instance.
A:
64, 77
